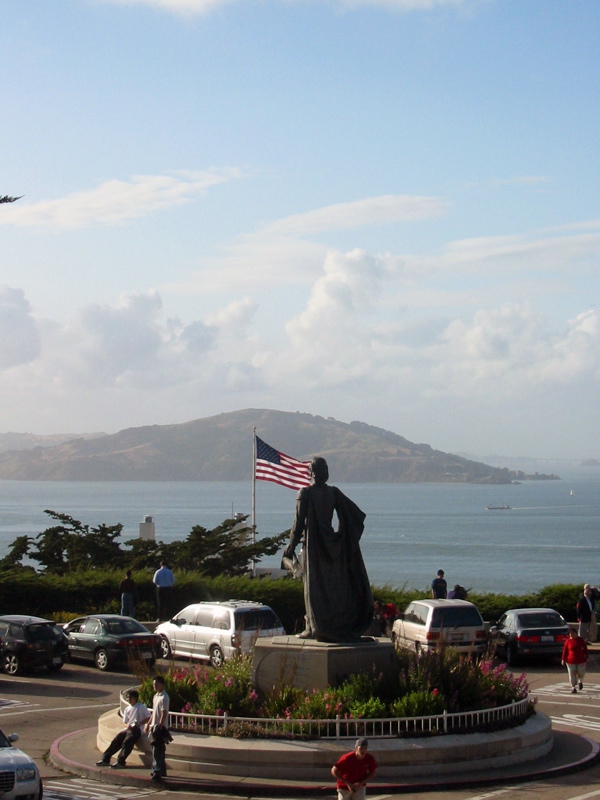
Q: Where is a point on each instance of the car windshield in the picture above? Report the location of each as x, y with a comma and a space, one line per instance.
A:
456, 617
256, 619
123, 626
43, 632
541, 620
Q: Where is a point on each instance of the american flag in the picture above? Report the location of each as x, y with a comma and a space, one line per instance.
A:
271, 465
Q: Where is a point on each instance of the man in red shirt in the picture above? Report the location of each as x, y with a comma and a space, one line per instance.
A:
353, 770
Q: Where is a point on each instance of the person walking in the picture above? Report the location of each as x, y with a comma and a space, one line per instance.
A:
575, 656
163, 581
134, 717
439, 587
157, 728
353, 770
128, 591
585, 609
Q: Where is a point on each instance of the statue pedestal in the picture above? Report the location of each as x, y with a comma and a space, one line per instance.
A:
308, 664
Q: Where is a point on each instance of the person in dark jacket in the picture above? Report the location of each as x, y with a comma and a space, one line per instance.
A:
439, 587
128, 591
585, 608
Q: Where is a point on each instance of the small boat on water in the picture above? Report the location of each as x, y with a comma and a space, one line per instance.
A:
497, 508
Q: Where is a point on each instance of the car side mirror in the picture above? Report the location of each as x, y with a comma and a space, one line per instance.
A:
13, 737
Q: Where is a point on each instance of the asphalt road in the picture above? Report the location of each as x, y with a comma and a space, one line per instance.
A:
42, 707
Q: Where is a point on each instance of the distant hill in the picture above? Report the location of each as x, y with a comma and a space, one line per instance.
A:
220, 449
27, 441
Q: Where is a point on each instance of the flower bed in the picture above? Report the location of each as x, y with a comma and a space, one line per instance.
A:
439, 685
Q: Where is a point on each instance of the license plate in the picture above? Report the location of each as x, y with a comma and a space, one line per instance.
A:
457, 637
547, 638
55, 660
146, 655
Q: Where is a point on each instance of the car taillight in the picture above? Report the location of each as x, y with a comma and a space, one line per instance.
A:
432, 636
480, 634
561, 637
528, 639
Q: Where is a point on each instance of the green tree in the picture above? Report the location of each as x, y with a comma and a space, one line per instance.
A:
225, 550
18, 550
71, 545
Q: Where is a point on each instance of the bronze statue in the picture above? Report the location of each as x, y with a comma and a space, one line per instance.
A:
337, 593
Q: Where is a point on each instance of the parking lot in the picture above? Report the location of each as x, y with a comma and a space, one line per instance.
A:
42, 707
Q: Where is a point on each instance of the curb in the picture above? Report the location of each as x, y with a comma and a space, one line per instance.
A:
245, 787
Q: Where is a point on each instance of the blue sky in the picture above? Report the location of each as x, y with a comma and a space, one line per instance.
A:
383, 210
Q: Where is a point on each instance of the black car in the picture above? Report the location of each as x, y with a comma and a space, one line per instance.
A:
109, 640
31, 642
528, 632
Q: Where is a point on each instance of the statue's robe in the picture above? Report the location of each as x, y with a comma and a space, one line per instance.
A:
337, 593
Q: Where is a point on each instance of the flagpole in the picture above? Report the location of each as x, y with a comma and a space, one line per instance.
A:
253, 497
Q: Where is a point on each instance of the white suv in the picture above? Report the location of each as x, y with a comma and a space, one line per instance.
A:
426, 622
217, 631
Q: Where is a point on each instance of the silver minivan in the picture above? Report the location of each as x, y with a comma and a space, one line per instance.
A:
425, 623
217, 631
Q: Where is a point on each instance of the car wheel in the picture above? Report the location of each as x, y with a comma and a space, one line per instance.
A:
101, 659
54, 667
511, 656
216, 656
41, 791
165, 649
11, 664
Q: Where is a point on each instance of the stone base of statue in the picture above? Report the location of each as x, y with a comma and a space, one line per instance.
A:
308, 664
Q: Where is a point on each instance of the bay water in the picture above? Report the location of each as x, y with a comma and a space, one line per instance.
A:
550, 534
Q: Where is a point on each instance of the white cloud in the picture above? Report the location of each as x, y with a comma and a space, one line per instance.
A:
19, 335
522, 180
115, 202
381, 210
205, 6
177, 6
359, 341
282, 251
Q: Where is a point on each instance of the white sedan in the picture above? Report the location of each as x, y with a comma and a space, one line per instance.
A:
19, 775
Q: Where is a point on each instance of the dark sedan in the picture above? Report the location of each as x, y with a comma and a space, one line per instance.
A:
110, 640
528, 632
31, 642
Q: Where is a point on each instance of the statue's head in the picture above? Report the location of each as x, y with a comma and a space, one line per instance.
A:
319, 470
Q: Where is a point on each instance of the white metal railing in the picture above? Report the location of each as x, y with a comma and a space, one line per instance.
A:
340, 728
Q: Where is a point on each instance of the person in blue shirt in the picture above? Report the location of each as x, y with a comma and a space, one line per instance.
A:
439, 587
163, 581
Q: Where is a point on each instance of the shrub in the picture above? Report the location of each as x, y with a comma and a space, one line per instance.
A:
371, 708
437, 681
418, 704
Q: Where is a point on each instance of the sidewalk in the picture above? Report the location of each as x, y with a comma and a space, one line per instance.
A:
76, 753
